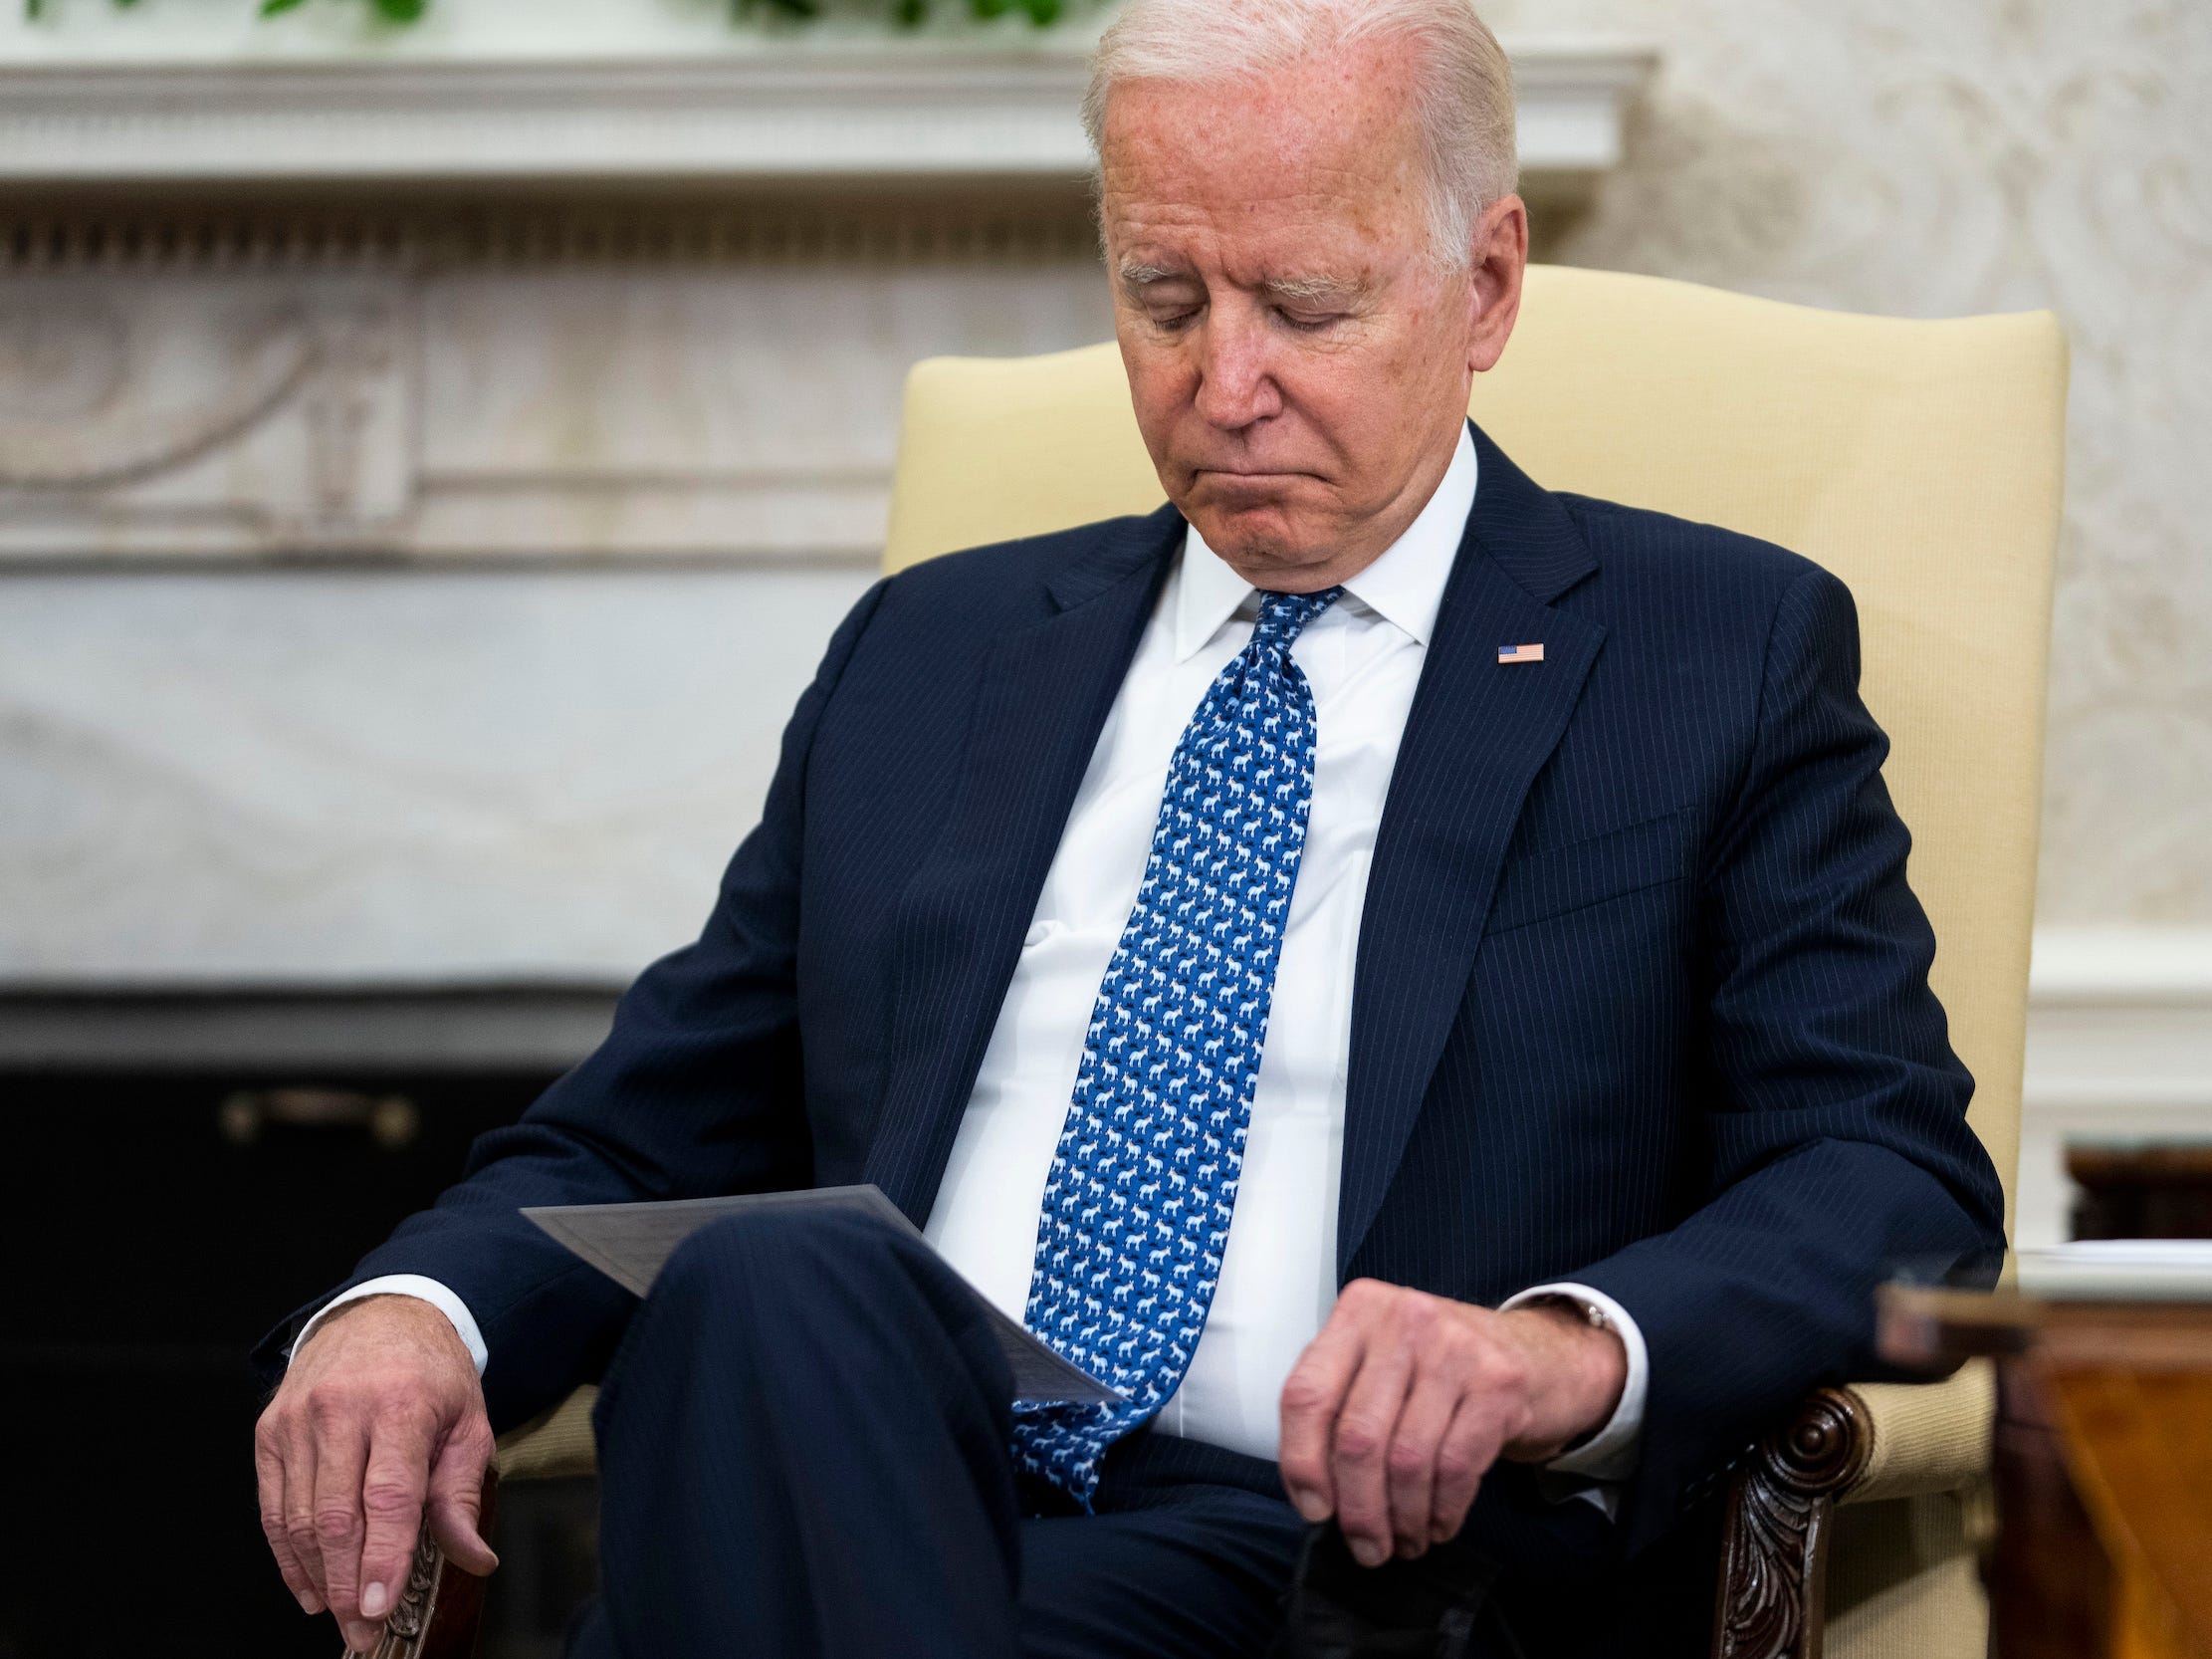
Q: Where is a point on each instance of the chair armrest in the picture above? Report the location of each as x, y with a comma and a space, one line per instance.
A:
1774, 1542
552, 1445
1925, 1436
1855, 1445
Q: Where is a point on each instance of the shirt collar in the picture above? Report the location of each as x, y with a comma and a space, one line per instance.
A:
1405, 586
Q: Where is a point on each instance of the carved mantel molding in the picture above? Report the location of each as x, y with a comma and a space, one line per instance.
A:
833, 113
570, 306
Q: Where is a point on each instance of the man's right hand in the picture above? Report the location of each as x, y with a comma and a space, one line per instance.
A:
380, 1412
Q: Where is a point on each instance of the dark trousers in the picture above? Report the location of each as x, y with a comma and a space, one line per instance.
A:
803, 1452
803, 1455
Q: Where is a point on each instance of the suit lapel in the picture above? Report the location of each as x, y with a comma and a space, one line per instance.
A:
1042, 699
1478, 732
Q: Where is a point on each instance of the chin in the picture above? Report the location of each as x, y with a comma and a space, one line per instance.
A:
1254, 532
1253, 540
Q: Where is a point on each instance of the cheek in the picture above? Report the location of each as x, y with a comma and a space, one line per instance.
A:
1437, 355
1351, 400
1379, 399
1161, 390
1162, 384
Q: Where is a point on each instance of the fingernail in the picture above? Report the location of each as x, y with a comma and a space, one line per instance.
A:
1308, 1504
373, 1602
308, 1604
1367, 1553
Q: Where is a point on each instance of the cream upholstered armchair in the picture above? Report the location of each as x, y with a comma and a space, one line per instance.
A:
1919, 461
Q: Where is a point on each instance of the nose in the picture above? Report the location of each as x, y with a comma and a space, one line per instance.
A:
1237, 384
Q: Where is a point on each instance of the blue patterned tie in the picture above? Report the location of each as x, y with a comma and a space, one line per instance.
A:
1137, 1206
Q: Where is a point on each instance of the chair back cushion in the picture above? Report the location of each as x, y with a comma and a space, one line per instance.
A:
1919, 461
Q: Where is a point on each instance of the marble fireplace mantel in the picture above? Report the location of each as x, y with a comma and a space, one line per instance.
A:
426, 482
841, 112
456, 301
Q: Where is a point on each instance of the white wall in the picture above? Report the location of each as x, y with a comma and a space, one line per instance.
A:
1974, 155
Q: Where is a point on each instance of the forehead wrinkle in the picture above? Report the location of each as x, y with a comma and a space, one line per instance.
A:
1237, 173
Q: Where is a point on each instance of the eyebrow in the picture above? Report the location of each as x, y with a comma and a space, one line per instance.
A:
1314, 288
1137, 276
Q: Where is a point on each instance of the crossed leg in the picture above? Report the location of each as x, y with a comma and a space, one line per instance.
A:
803, 1450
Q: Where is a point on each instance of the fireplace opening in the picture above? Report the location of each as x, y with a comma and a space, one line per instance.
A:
154, 1222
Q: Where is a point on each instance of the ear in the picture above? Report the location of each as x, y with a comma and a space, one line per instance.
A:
1499, 256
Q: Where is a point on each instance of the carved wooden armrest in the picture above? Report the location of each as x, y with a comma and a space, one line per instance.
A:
1774, 1551
1857, 1444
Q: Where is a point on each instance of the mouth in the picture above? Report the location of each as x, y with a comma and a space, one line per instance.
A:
1248, 475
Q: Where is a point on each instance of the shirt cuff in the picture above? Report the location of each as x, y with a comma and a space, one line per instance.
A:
1611, 1453
409, 1285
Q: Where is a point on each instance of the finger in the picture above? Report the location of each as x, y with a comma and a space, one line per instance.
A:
298, 1507
1411, 1462
1360, 1450
457, 1499
341, 1462
1312, 1395
270, 1480
1469, 1448
393, 1485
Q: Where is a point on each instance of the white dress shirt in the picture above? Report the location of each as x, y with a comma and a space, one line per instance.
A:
1362, 657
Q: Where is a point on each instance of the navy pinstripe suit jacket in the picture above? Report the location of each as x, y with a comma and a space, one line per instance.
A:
1641, 995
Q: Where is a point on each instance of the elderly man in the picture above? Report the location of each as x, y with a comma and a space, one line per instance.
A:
1409, 976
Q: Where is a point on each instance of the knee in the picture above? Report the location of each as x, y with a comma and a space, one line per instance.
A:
768, 1263
775, 1249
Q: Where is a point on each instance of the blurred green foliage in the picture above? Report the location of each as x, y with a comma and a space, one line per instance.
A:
395, 11
906, 13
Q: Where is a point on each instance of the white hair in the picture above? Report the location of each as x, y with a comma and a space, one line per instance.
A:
1464, 98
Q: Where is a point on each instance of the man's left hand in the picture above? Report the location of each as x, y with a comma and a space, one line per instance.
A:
1397, 1410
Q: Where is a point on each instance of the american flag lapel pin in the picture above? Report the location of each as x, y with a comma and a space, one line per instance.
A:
1521, 653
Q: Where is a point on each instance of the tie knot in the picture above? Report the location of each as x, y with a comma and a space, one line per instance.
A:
1283, 616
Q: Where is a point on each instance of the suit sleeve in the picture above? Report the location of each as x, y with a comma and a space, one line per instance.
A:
1834, 1109
696, 1090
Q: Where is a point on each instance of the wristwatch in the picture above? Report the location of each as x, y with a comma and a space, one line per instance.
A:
1591, 1312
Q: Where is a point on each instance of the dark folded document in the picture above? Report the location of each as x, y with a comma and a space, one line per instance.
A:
631, 1243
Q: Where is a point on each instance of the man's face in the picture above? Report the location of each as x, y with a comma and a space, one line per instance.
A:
1298, 363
